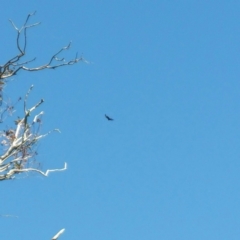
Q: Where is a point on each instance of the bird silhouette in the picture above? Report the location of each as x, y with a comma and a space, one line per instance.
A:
108, 118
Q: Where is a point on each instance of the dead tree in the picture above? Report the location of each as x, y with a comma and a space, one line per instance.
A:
18, 141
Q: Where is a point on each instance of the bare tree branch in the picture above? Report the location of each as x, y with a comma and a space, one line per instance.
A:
20, 142
9, 175
12, 66
58, 234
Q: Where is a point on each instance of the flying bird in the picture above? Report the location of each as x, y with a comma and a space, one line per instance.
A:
108, 118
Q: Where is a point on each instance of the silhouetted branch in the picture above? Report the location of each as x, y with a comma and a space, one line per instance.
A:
12, 66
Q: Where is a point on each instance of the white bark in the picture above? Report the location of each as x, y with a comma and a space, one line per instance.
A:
58, 234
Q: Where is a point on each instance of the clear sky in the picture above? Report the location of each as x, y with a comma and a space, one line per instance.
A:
168, 166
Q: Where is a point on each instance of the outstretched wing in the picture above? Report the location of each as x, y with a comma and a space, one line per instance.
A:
108, 118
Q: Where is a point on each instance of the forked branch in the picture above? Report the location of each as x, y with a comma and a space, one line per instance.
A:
20, 142
12, 66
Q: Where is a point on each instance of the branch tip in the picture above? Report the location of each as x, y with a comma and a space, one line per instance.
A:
58, 234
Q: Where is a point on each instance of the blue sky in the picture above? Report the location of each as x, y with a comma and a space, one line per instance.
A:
168, 166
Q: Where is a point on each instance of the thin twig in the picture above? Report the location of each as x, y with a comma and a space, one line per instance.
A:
12, 66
